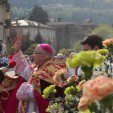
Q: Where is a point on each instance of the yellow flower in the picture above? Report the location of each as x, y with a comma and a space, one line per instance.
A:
103, 51
85, 58
85, 111
73, 62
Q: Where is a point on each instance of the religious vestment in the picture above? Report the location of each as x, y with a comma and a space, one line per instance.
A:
34, 98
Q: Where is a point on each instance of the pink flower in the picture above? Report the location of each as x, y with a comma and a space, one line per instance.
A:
12, 63
95, 89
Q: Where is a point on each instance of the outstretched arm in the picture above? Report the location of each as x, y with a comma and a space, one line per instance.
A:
18, 43
22, 66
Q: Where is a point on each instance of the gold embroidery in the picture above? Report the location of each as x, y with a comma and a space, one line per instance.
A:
51, 69
8, 84
45, 72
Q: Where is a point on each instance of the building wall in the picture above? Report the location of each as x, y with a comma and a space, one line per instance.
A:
2, 13
4, 25
46, 32
1, 32
67, 34
77, 32
2, 19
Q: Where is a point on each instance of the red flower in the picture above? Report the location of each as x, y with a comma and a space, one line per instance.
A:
12, 63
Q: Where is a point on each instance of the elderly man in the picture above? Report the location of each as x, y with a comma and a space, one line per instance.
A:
29, 93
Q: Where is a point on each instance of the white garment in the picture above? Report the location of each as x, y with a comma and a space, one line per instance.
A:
79, 72
26, 73
31, 107
70, 72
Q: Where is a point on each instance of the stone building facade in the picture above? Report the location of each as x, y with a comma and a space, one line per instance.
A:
67, 33
32, 28
5, 15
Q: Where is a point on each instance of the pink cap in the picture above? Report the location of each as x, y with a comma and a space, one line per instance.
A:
47, 48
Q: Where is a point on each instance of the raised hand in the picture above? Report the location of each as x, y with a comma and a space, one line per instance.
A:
18, 42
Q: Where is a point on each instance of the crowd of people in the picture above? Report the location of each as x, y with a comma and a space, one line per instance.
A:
26, 97
3, 60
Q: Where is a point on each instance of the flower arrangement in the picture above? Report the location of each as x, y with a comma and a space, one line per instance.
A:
94, 90
99, 88
108, 43
68, 104
88, 93
49, 91
87, 60
61, 78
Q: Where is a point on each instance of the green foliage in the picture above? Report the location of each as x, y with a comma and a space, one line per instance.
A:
38, 38
65, 52
103, 106
5, 2
80, 14
30, 50
10, 49
39, 15
104, 30
53, 108
47, 41
99, 11
99, 4
110, 48
26, 43
108, 101
88, 71
77, 46
19, 13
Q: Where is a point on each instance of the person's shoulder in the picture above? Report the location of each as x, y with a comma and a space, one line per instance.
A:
52, 63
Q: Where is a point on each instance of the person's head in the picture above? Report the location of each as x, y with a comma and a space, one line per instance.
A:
92, 42
60, 56
71, 54
42, 53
